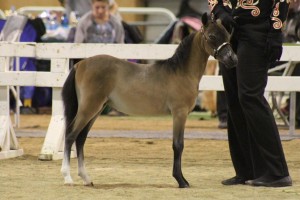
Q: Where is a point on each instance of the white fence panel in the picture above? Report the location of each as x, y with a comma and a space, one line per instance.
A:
60, 53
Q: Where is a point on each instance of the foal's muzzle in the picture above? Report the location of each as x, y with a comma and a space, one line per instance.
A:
226, 55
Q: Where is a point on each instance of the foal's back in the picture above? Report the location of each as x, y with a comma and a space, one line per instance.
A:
139, 89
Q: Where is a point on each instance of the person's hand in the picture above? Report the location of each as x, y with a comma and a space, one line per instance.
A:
274, 47
227, 21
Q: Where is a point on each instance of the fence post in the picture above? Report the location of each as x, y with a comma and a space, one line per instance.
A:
54, 141
9, 146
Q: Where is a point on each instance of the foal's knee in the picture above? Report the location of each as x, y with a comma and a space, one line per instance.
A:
178, 147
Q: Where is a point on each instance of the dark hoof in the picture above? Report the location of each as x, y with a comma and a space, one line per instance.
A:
184, 185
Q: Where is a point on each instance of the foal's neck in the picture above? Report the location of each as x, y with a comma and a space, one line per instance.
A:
197, 61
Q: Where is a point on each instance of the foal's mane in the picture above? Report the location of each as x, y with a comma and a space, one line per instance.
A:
180, 56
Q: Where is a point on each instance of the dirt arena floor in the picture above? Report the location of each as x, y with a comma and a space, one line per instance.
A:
134, 168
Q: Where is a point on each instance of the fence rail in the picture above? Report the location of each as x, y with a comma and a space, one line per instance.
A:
60, 53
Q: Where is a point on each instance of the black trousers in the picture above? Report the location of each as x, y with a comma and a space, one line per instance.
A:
254, 142
221, 104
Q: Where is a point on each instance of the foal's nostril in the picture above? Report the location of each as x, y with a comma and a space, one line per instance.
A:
227, 57
231, 61
234, 60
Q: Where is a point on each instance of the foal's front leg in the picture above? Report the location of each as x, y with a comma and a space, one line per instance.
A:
179, 120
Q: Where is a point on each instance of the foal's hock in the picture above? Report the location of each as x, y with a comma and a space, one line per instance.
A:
167, 87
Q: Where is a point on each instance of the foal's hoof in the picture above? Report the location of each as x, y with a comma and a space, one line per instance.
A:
91, 184
185, 185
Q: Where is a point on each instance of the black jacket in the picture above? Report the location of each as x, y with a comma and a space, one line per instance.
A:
274, 10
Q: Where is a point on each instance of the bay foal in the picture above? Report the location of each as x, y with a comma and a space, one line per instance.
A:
166, 87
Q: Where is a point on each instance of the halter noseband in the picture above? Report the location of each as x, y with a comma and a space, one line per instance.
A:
216, 51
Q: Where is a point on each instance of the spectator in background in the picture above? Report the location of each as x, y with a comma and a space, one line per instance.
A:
99, 25
80, 7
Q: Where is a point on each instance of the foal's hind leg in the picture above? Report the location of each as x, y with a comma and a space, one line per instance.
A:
65, 168
70, 137
83, 117
79, 147
179, 119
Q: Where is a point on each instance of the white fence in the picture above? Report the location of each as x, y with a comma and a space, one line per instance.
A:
60, 53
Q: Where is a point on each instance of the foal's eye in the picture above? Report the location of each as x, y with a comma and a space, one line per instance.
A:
212, 37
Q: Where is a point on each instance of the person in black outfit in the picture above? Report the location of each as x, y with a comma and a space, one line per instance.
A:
255, 147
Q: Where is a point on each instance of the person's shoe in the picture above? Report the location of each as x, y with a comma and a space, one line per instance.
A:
222, 124
271, 181
234, 181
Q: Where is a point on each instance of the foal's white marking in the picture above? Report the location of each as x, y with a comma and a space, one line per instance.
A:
83, 174
65, 170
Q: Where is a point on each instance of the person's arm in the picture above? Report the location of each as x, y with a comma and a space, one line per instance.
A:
279, 14
120, 34
216, 7
275, 37
79, 34
222, 11
81, 27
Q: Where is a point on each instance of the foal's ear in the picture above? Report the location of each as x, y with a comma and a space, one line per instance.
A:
204, 19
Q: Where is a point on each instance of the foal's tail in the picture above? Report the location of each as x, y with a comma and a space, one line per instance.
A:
70, 101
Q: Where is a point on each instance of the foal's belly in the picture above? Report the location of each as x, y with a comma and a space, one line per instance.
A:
135, 104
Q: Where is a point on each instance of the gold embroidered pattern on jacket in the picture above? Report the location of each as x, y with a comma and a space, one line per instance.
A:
212, 4
227, 3
249, 5
278, 23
